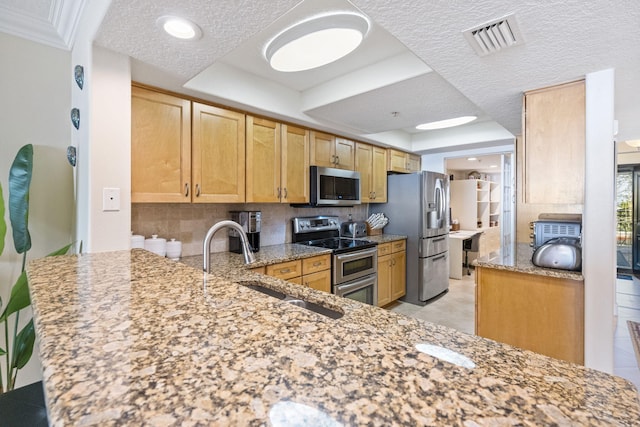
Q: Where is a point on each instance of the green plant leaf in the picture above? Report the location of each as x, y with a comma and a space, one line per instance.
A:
2, 352
19, 298
19, 182
24, 346
62, 251
3, 224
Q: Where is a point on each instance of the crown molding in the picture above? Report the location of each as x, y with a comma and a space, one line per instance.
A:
57, 29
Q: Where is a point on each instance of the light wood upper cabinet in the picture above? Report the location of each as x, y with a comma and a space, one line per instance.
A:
323, 149
554, 144
415, 163
329, 151
399, 161
263, 161
371, 162
379, 175
345, 154
364, 160
295, 165
218, 143
277, 162
160, 147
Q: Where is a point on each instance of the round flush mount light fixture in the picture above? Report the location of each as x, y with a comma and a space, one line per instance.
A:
179, 28
447, 123
316, 42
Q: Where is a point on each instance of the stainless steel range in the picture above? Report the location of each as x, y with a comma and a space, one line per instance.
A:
354, 262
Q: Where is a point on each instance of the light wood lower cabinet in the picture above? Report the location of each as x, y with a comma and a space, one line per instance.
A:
392, 272
314, 272
534, 312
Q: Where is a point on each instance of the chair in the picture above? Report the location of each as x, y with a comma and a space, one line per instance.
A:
471, 244
24, 406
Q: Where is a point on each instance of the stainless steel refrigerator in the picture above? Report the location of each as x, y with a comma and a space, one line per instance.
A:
418, 207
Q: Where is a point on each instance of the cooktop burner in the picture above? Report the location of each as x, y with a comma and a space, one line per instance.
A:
339, 244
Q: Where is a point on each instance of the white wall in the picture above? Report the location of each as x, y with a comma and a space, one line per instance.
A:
35, 83
599, 250
110, 150
82, 54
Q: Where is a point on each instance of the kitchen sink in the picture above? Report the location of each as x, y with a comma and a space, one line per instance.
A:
257, 287
316, 308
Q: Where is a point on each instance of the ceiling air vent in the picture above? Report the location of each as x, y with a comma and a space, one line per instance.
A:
494, 36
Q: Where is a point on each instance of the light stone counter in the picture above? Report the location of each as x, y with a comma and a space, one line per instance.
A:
130, 338
521, 263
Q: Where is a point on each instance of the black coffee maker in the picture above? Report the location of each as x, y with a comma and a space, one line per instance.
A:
250, 223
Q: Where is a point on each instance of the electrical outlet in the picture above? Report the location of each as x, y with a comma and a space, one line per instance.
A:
110, 199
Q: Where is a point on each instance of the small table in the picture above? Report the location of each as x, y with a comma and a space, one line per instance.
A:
457, 241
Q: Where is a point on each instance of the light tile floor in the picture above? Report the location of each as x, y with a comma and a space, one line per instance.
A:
456, 309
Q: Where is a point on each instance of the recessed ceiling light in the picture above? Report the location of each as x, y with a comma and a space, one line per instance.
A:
471, 159
493, 166
316, 42
180, 28
446, 123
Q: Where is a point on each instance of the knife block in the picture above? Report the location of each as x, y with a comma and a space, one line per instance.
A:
373, 232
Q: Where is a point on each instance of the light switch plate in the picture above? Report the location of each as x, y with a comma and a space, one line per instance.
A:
110, 199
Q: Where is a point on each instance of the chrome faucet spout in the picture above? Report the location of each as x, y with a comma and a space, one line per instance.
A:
249, 257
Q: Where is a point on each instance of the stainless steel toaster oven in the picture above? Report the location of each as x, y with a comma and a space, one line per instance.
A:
544, 230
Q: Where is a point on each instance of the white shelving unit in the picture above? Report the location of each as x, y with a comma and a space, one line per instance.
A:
475, 203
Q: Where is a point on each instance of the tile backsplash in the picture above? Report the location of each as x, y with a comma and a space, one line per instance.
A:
190, 222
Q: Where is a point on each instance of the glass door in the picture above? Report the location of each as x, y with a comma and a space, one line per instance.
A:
507, 230
625, 195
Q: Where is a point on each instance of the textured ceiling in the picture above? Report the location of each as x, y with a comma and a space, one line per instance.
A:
414, 61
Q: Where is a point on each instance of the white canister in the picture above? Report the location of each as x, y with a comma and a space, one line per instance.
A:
137, 241
156, 245
174, 249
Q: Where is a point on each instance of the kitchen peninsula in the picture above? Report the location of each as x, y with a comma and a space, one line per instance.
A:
130, 338
540, 309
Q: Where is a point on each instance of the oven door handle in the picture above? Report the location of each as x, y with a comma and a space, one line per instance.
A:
357, 254
356, 284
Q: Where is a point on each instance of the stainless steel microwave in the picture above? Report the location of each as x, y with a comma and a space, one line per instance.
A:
334, 187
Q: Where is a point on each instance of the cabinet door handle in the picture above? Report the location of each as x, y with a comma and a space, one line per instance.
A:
317, 263
333, 159
337, 160
285, 192
285, 270
186, 189
197, 190
278, 189
374, 194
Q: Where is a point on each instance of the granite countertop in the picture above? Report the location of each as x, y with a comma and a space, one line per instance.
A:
131, 338
521, 263
273, 254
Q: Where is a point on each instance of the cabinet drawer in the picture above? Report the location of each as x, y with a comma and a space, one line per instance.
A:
384, 249
398, 246
316, 263
296, 280
285, 270
320, 280
260, 270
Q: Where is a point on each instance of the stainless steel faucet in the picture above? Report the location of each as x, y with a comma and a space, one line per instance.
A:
249, 257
